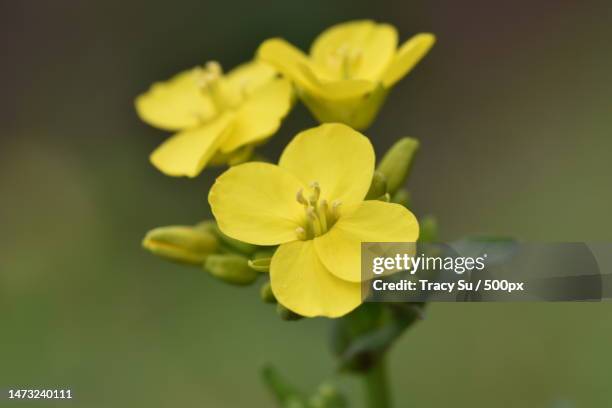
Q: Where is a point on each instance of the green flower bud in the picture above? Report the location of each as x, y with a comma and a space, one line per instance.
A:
327, 396
207, 225
401, 197
266, 293
180, 243
396, 163
429, 229
378, 187
230, 268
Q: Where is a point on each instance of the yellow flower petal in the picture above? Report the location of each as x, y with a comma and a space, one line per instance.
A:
248, 78
339, 158
176, 104
255, 203
337, 90
373, 221
302, 284
261, 115
186, 153
294, 64
289, 60
408, 55
357, 49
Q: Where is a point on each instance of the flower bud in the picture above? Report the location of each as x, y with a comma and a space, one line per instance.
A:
328, 396
207, 225
180, 243
429, 229
230, 268
396, 163
378, 188
401, 197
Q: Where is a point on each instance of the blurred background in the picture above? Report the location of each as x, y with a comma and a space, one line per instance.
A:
513, 109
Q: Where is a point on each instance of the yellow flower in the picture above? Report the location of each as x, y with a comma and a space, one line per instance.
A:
217, 117
312, 205
350, 69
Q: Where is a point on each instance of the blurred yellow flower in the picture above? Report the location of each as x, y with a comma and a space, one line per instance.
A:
312, 205
350, 69
217, 117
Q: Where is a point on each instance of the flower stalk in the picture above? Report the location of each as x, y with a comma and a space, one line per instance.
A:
376, 383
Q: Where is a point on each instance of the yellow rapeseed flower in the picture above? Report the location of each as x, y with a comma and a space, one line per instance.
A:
350, 69
312, 205
217, 117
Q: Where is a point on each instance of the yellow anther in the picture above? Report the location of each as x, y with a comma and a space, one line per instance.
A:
300, 197
214, 68
301, 233
316, 188
319, 216
209, 79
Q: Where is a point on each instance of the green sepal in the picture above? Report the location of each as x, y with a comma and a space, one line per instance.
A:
230, 268
260, 265
227, 243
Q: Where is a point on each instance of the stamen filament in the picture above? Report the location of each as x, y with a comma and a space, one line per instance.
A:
335, 210
319, 216
322, 213
314, 222
210, 79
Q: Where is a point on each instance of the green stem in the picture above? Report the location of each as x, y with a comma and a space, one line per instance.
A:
377, 386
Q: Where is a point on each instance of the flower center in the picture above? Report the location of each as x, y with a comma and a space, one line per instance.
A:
346, 59
209, 78
320, 216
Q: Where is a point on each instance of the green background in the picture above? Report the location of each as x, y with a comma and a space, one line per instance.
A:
512, 107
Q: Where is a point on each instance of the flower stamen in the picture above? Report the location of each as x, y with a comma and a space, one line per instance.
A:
209, 79
319, 218
322, 214
301, 233
314, 222
300, 198
346, 59
335, 210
